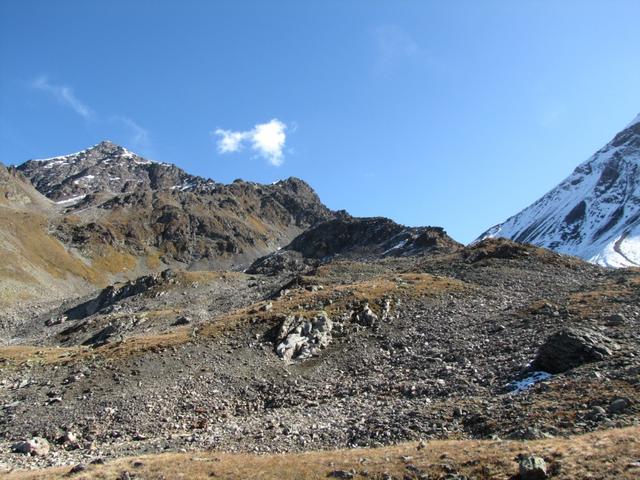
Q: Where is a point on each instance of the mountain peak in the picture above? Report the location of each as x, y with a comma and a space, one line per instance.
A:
635, 121
108, 148
594, 213
105, 167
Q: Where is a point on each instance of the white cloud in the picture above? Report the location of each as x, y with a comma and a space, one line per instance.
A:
230, 141
64, 95
266, 139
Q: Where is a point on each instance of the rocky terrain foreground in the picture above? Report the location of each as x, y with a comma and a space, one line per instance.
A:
506, 349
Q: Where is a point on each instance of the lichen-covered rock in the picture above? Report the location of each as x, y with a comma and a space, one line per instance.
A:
299, 338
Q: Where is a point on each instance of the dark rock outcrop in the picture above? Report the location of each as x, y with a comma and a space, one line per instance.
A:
570, 348
355, 239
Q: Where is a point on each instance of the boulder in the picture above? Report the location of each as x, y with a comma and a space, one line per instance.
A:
619, 405
299, 338
37, 446
615, 319
366, 317
185, 320
80, 467
102, 337
570, 348
532, 468
70, 440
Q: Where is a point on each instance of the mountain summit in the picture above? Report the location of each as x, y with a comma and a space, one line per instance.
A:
594, 213
106, 213
105, 168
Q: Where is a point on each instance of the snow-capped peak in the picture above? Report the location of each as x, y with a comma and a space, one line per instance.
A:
594, 213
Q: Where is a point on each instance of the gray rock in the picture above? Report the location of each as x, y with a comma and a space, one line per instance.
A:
366, 316
532, 468
570, 348
299, 338
37, 446
341, 474
615, 319
69, 438
619, 405
596, 413
80, 467
182, 321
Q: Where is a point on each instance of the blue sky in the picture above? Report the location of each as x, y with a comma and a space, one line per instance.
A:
456, 113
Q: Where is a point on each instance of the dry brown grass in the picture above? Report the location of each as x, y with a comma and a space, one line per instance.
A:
18, 354
29, 248
606, 294
256, 224
21, 354
153, 259
207, 276
108, 259
608, 454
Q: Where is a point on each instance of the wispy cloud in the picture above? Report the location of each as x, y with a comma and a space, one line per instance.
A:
139, 136
64, 95
266, 139
393, 44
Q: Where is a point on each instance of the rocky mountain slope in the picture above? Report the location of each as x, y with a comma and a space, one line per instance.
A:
33, 263
105, 214
594, 213
113, 197
354, 353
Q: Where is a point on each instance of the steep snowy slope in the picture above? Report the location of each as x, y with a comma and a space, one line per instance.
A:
594, 213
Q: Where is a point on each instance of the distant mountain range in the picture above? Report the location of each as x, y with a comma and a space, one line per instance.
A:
77, 222
594, 213
106, 214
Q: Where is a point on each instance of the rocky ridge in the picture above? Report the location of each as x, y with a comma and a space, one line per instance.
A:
360, 239
106, 214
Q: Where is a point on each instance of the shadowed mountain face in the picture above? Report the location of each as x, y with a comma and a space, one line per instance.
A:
360, 239
594, 213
